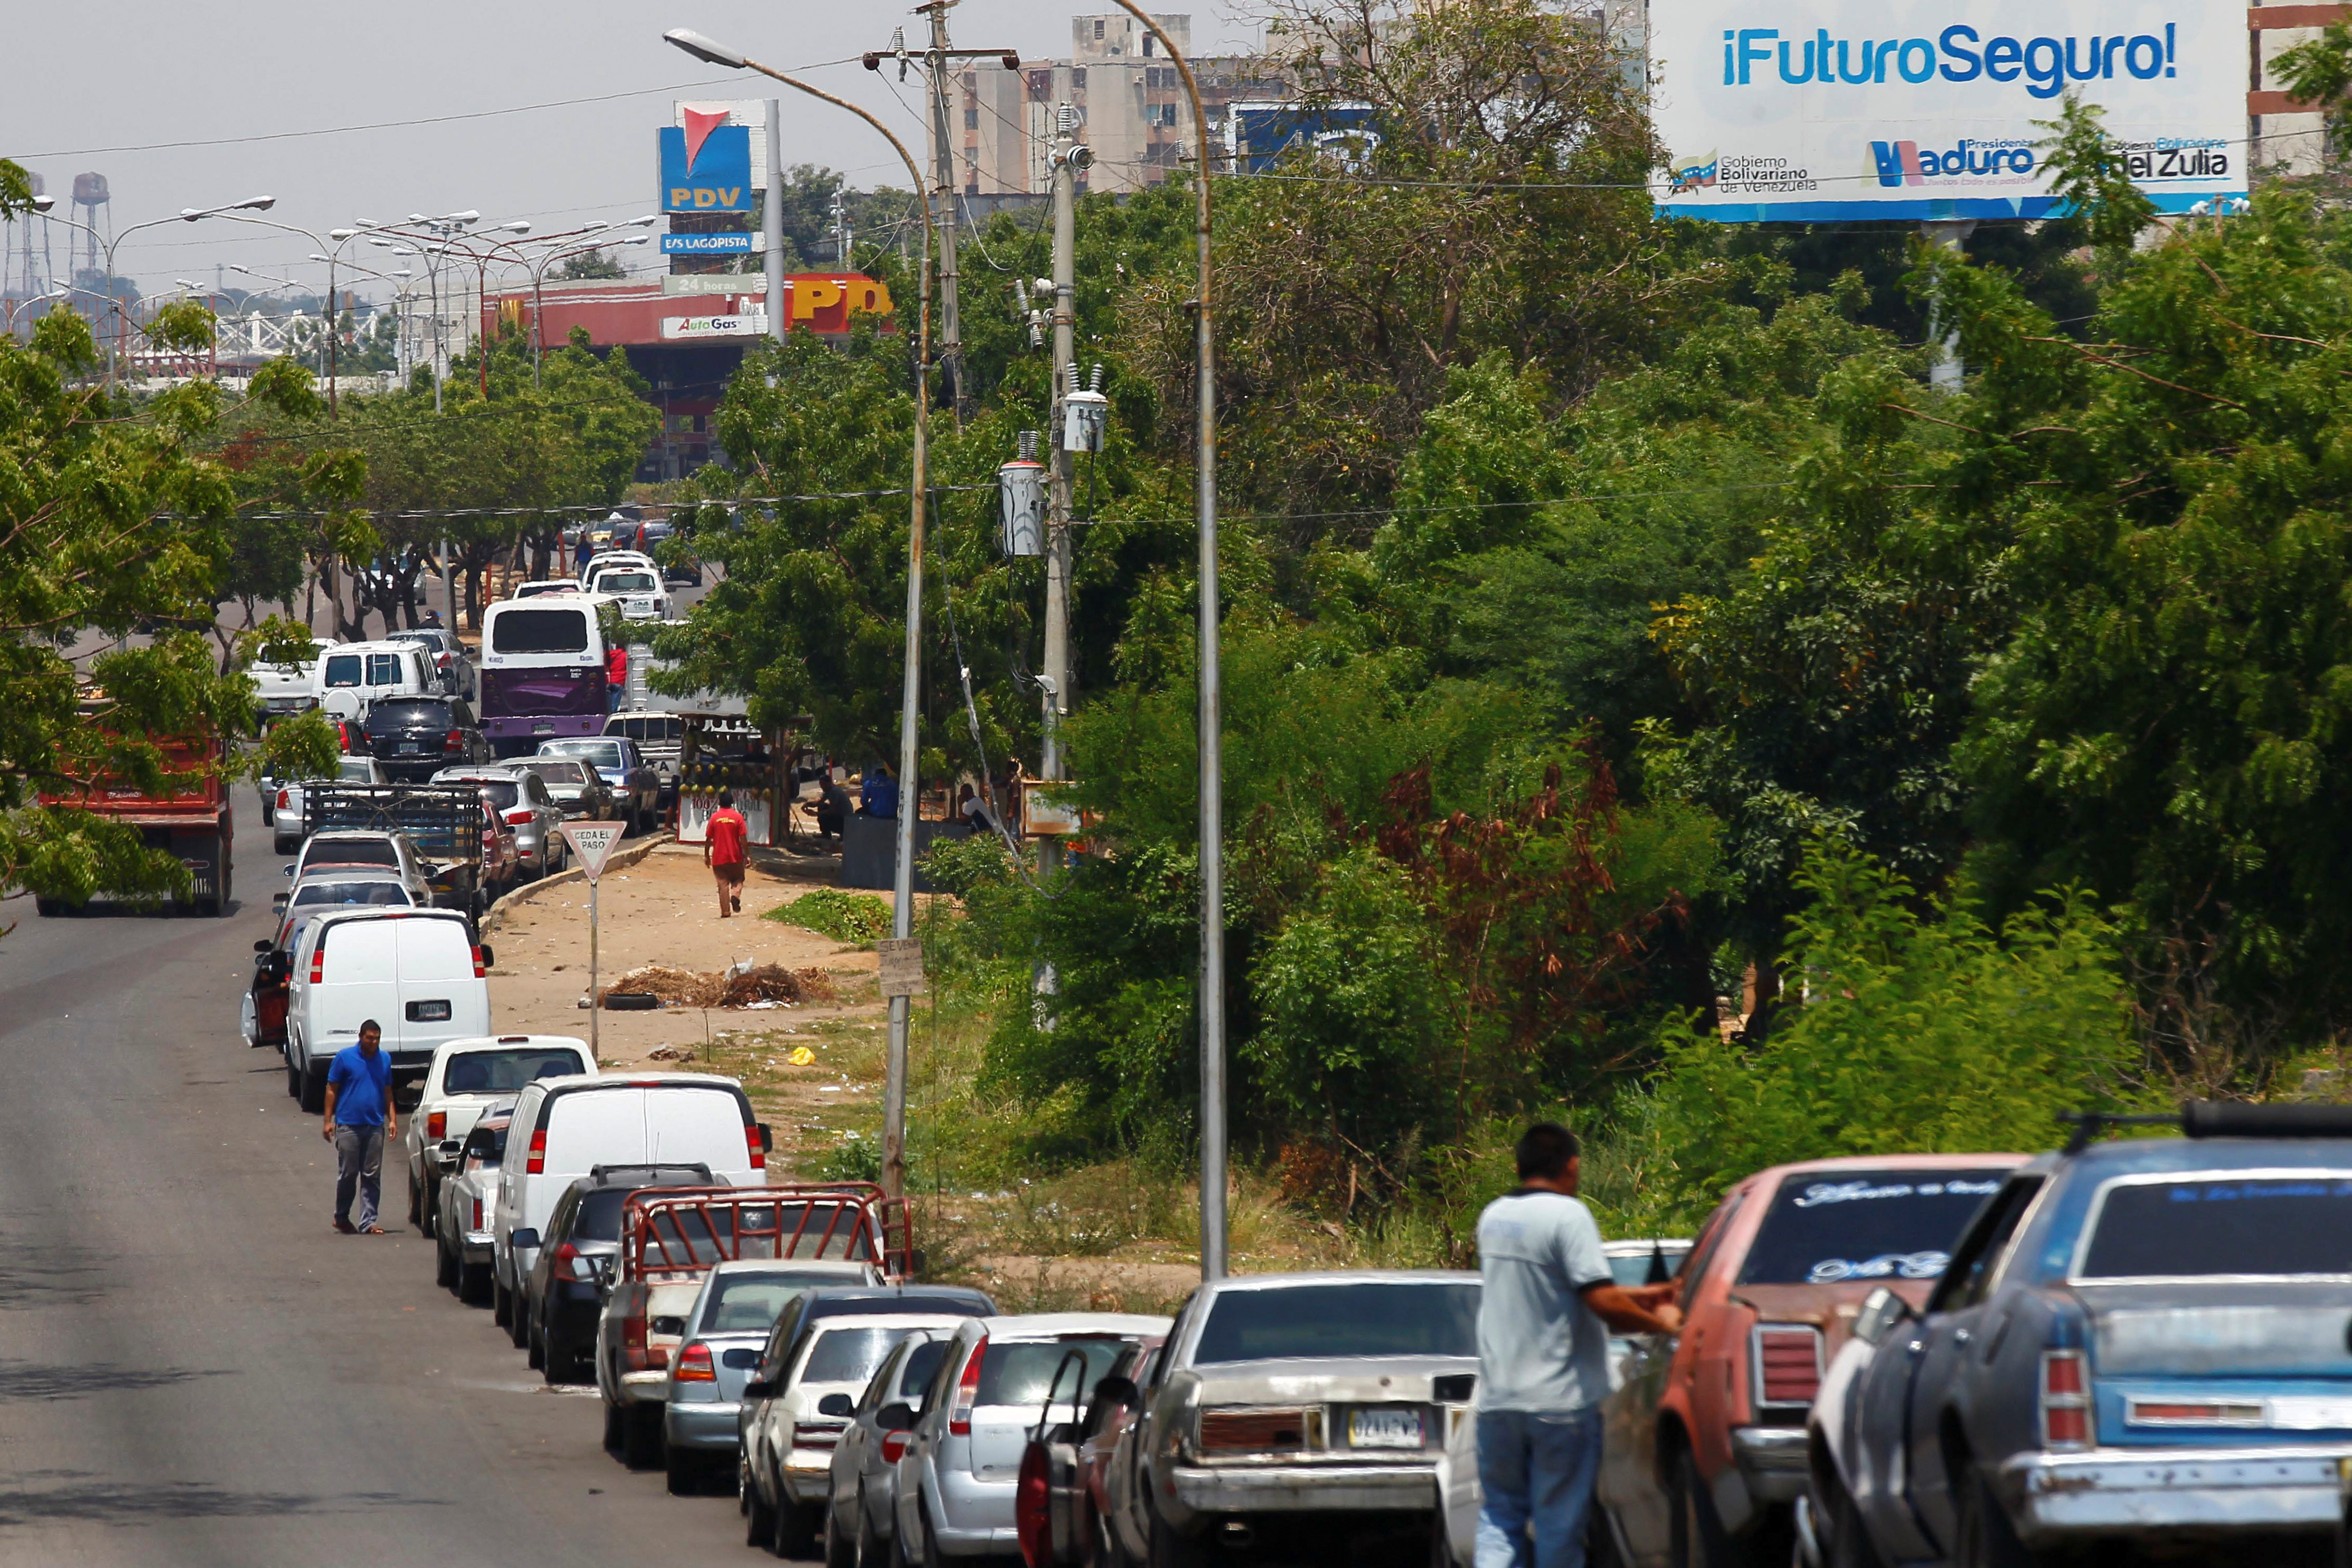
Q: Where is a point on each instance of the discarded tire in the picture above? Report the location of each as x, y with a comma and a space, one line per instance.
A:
631, 1001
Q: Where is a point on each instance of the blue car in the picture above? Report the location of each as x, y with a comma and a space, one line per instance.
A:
2138, 1341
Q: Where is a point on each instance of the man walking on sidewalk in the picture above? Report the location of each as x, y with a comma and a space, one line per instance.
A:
722, 851
1543, 1358
360, 1117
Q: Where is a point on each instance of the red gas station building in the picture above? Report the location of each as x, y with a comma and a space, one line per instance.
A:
685, 345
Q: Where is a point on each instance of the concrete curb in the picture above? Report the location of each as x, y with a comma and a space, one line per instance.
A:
622, 859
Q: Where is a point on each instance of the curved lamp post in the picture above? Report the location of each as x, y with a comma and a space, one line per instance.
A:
186, 214
1212, 810
902, 913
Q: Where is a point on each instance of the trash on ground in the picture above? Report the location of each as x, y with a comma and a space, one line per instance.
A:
760, 987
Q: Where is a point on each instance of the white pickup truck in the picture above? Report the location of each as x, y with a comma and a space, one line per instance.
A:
467, 1076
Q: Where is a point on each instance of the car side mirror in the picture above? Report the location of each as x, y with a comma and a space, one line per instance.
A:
448, 1148
767, 1138
289, 871
1881, 1310
278, 901
836, 1405
525, 1238
759, 1391
1118, 1391
490, 958
896, 1418
263, 945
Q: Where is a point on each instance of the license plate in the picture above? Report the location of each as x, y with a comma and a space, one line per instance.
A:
2310, 1412
542, 729
410, 747
1385, 1430
428, 1012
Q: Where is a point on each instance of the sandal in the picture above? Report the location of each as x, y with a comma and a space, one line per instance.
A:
373, 1231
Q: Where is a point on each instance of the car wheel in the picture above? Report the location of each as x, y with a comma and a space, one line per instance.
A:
1166, 1548
415, 1205
444, 1266
519, 1328
1982, 1536
759, 1519
684, 1469
840, 1543
431, 1222
313, 1097
641, 1437
1695, 1537
614, 1425
501, 1302
293, 1079
795, 1533
873, 1552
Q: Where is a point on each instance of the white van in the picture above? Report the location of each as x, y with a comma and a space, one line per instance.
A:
417, 972
563, 1128
372, 671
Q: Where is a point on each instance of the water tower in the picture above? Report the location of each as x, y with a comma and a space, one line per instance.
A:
87, 256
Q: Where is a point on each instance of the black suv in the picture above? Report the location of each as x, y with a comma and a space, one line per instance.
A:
416, 737
556, 1318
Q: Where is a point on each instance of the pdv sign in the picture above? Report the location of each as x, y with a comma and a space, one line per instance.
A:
706, 165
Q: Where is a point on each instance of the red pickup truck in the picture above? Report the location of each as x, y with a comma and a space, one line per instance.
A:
1704, 1450
191, 818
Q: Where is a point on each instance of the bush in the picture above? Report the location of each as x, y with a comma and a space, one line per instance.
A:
844, 916
1918, 1034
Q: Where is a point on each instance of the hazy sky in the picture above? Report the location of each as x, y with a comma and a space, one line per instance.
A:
183, 104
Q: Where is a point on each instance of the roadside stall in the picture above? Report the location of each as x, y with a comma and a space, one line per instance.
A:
726, 751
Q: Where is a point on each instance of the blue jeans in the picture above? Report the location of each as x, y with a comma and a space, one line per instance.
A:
1536, 1469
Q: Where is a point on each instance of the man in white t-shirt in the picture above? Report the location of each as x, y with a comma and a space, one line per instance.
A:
1543, 1358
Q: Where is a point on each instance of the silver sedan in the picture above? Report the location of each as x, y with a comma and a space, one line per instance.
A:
522, 802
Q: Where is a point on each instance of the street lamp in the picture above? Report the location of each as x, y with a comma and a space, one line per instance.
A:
538, 278
186, 214
894, 1087
13, 306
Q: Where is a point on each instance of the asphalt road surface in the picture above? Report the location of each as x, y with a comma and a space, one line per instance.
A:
194, 1367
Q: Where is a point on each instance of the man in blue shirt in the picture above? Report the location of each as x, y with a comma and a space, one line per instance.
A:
1544, 1316
360, 1117
880, 791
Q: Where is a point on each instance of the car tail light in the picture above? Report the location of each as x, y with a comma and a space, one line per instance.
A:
477, 963
477, 1213
633, 1342
454, 741
536, 1164
894, 1446
967, 1392
437, 1125
1788, 1364
1253, 1431
281, 800
519, 816
694, 1366
2065, 1400
318, 962
570, 1264
760, 1159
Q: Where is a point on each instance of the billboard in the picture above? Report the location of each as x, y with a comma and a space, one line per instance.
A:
749, 112
713, 245
1813, 110
1258, 134
692, 328
706, 165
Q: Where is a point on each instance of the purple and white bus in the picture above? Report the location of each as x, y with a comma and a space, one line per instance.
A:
542, 671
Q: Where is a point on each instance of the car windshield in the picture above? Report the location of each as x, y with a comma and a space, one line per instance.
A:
499, 792
750, 1303
1322, 1322
2209, 1227
506, 1071
1894, 1223
561, 772
1018, 1374
352, 852
389, 895
412, 713
625, 582
597, 753
356, 771
850, 1354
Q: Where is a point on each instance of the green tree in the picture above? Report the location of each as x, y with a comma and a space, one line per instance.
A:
1919, 1033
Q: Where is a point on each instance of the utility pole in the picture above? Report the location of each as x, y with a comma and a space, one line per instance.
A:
771, 222
1060, 473
940, 60
1949, 234
842, 238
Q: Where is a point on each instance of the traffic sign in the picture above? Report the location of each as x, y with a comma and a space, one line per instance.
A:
592, 843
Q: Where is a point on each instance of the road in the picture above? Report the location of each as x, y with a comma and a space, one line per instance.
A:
194, 1367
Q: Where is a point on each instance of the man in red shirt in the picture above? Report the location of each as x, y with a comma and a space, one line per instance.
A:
722, 851
617, 676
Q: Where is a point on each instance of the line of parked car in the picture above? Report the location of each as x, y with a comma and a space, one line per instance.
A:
1986, 1361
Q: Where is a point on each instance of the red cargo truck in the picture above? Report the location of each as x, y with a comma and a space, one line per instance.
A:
189, 818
